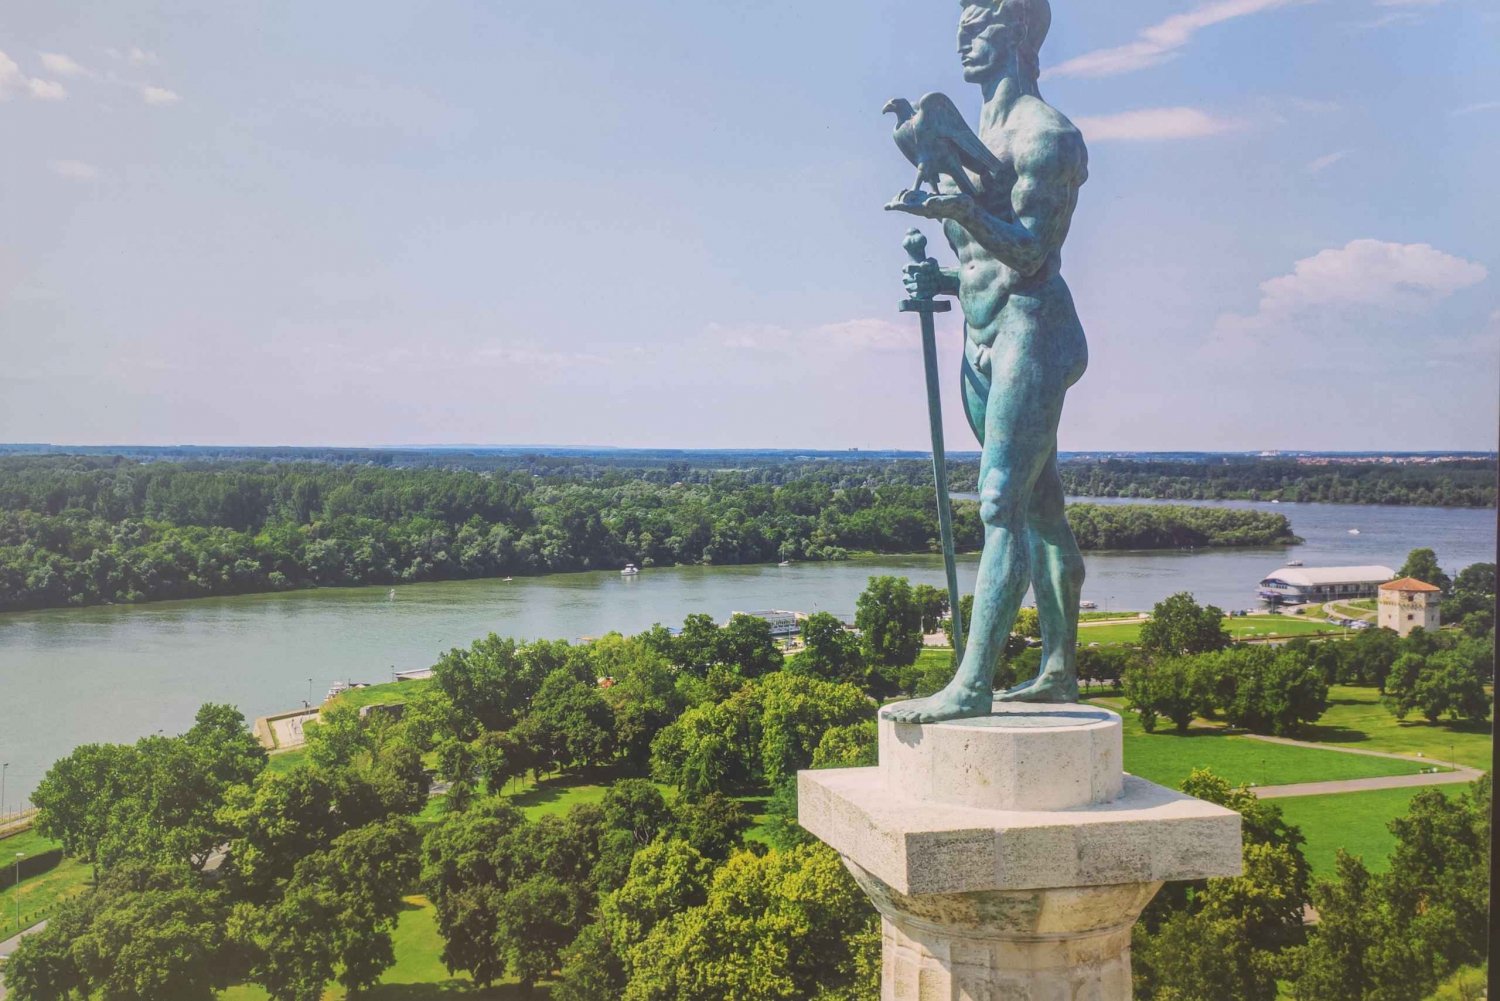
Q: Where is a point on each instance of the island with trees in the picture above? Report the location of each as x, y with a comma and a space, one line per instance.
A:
86, 530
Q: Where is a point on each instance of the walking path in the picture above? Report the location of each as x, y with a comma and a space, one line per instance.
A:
1457, 773
9, 946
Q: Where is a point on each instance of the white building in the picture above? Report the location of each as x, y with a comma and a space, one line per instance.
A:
1298, 585
783, 623
1408, 604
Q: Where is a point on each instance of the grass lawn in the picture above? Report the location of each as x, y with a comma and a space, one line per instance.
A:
419, 975
389, 693
47, 879
1244, 627
556, 795
1166, 757
1354, 821
1355, 718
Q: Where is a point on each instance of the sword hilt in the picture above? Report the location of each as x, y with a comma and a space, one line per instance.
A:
916, 245
916, 248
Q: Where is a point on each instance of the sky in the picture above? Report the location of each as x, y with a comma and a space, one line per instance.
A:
659, 224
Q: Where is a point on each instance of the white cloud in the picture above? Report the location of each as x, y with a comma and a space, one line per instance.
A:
1147, 124
1322, 163
1408, 3
56, 62
1362, 275
46, 90
159, 95
140, 57
1470, 109
13, 81
1160, 42
848, 336
75, 170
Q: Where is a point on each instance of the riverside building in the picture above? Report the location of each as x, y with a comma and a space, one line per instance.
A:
1299, 585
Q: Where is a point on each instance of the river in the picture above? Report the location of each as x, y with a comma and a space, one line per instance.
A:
72, 676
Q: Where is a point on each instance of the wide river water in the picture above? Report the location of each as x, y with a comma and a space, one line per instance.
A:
74, 676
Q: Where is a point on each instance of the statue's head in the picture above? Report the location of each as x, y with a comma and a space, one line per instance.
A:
993, 32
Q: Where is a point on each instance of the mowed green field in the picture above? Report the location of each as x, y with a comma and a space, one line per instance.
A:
40, 891
419, 974
1357, 822
1243, 627
1167, 757
1356, 719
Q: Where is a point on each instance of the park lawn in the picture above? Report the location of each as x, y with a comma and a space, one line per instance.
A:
1166, 757
40, 894
1356, 718
1243, 627
388, 693
1357, 822
555, 795
281, 762
418, 974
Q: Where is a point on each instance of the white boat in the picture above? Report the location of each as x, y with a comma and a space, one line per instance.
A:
630, 570
1296, 563
785, 563
1353, 531
507, 580
1087, 605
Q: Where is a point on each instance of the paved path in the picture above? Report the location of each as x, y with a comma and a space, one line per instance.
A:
9, 946
1458, 773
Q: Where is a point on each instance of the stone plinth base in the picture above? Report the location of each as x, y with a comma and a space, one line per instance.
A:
1032, 900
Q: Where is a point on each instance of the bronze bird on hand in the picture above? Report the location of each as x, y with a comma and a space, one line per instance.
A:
937, 140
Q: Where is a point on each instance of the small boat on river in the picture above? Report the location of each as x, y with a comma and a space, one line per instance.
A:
631, 570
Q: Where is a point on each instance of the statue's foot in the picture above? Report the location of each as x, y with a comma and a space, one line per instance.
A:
1015, 690
1049, 686
957, 701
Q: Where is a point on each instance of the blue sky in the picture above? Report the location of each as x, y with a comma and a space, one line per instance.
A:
659, 223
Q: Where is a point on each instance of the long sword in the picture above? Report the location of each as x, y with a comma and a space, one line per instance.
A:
916, 245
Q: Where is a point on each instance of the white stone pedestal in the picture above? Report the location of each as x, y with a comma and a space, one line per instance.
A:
1010, 855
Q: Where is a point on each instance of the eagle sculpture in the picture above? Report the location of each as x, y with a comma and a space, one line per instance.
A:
937, 140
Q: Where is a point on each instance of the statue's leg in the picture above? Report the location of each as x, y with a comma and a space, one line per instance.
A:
1057, 579
1020, 427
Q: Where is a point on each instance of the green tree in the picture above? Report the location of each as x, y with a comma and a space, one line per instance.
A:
933, 604
890, 622
1442, 683
144, 934
831, 652
699, 645
1179, 626
784, 926
1168, 687
747, 647
573, 719
465, 873
1423, 565
77, 795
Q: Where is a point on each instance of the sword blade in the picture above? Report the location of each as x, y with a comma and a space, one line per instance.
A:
940, 478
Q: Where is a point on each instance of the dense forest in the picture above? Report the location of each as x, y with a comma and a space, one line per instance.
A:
1449, 483
78, 530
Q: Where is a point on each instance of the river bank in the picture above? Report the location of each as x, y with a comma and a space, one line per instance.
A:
73, 676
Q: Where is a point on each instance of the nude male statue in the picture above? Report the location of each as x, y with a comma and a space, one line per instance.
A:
1024, 348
